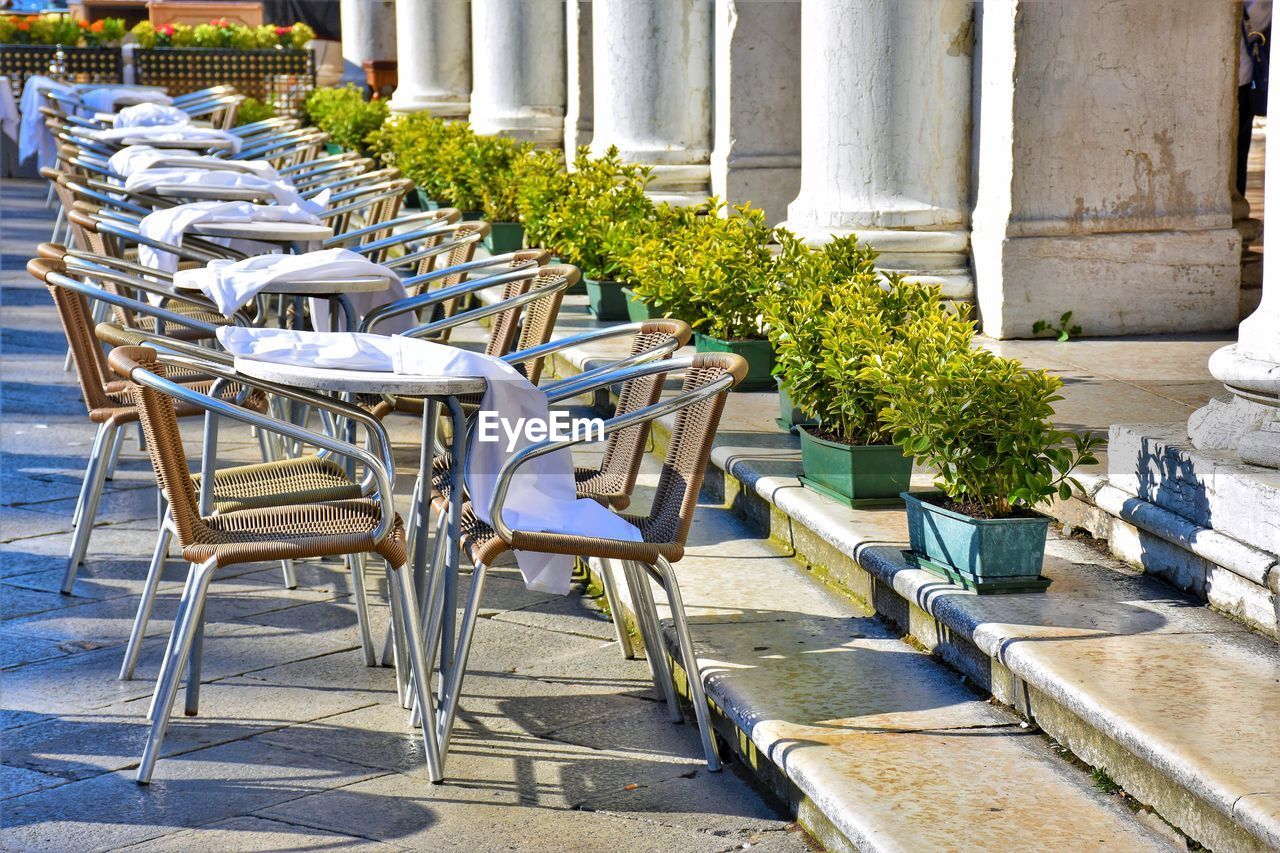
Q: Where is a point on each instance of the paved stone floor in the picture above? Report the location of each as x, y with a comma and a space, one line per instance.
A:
561, 744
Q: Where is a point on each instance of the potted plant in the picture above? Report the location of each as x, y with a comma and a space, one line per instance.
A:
346, 116
711, 271
416, 144
490, 171
591, 216
985, 423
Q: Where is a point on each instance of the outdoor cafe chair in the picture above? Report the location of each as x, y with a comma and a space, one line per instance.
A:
708, 377
212, 542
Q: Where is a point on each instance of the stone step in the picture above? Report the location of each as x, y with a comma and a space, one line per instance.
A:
1139, 680
877, 745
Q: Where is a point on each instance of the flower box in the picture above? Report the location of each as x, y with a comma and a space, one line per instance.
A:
281, 77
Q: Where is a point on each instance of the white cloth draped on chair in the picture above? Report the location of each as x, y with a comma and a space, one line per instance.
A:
171, 133
169, 225
105, 99
542, 496
132, 159
154, 114
279, 191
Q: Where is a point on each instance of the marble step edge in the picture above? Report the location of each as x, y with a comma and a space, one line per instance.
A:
880, 578
1233, 577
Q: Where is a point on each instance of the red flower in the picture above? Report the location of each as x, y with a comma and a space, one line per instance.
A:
283, 31
165, 29
24, 25
97, 25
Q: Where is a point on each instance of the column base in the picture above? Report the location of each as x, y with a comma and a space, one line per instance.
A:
929, 257
1150, 282
545, 131
1248, 421
437, 106
769, 182
680, 185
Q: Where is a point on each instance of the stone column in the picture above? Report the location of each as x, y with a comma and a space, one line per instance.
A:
885, 106
1104, 187
652, 71
757, 104
1248, 420
368, 32
518, 69
578, 118
433, 39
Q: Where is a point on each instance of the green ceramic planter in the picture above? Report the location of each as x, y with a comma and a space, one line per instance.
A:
472, 215
989, 555
790, 417
759, 356
504, 237
606, 299
426, 202
853, 475
637, 309
332, 148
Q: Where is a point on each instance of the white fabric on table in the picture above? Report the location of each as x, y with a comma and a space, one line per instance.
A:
132, 159
542, 496
150, 115
169, 133
34, 137
279, 191
232, 284
104, 99
9, 115
169, 225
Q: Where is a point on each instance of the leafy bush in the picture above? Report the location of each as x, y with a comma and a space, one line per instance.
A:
345, 115
252, 110
422, 147
830, 317
707, 269
981, 419
223, 34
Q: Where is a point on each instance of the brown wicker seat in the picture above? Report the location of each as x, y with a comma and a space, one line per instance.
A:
664, 530
213, 541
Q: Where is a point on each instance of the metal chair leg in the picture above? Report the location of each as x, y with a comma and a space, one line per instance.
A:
90, 495
697, 696
180, 643
195, 663
290, 576
458, 667
399, 649
356, 563
651, 632
114, 455
154, 572
615, 608
404, 598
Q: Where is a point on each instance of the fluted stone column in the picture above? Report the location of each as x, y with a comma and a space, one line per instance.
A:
518, 69
756, 157
579, 121
433, 40
885, 103
368, 32
652, 72
1103, 186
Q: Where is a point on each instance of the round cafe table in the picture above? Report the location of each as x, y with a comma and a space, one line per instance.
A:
440, 602
195, 192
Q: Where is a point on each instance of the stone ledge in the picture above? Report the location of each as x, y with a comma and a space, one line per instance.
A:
1177, 733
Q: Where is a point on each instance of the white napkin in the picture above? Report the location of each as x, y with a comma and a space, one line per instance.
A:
106, 98
169, 225
169, 133
33, 136
232, 284
542, 496
150, 115
9, 114
279, 191
132, 159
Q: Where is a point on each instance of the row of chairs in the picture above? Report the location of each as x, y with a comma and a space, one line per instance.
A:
149, 356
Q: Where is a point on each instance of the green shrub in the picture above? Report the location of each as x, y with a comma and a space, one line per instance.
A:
982, 420
424, 148
345, 115
252, 110
707, 269
541, 183
831, 316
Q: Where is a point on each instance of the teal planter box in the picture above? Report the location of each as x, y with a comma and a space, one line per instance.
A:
332, 148
606, 299
983, 554
426, 202
637, 309
854, 475
791, 418
759, 356
472, 215
504, 237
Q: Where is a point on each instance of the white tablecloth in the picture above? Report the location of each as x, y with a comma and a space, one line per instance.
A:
169, 225
542, 496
